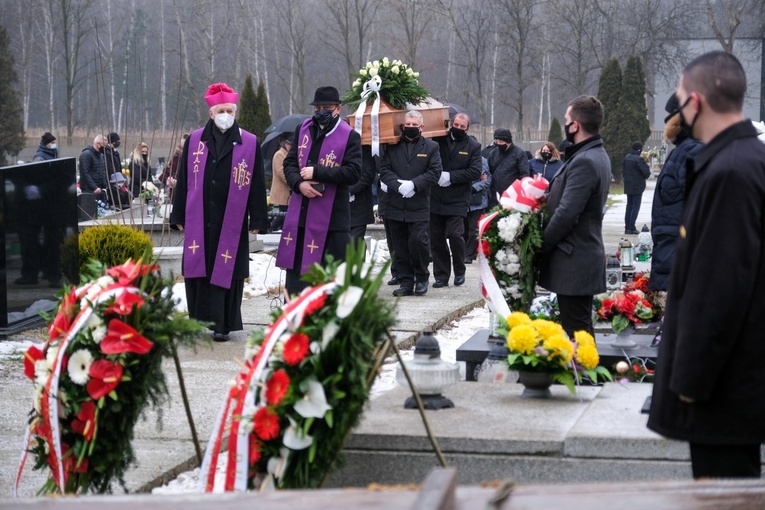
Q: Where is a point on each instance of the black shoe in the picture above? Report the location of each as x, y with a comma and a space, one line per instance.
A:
440, 283
468, 260
220, 337
403, 291
459, 280
420, 288
393, 281
25, 281
632, 232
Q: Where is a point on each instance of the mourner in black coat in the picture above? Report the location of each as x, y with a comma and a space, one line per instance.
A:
507, 162
206, 301
710, 385
362, 208
573, 262
408, 170
450, 201
635, 172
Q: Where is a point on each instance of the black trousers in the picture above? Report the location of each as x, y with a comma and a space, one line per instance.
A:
410, 250
471, 233
725, 461
389, 239
451, 228
633, 208
576, 314
335, 245
278, 221
358, 232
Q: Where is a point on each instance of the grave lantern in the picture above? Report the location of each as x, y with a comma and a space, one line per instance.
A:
430, 374
613, 274
627, 254
494, 368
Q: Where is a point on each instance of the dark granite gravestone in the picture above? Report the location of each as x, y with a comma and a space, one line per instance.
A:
38, 215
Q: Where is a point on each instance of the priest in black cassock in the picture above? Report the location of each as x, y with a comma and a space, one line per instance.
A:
220, 197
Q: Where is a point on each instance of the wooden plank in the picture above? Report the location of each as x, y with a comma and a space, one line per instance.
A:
437, 491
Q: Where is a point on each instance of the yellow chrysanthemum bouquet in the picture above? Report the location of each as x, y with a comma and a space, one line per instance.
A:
543, 346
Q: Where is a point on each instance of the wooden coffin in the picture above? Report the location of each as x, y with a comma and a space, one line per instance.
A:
435, 116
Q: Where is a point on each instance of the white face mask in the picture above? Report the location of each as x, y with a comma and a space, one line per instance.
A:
53, 146
224, 121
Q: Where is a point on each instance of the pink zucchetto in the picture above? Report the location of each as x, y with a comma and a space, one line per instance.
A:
219, 93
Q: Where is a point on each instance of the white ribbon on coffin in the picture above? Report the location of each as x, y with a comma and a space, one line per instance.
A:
523, 195
372, 86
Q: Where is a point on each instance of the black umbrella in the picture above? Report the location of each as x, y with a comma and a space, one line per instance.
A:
454, 109
269, 146
286, 124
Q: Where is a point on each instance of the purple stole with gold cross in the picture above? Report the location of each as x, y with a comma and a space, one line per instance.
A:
320, 208
242, 165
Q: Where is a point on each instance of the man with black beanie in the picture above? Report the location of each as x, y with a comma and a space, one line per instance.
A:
507, 162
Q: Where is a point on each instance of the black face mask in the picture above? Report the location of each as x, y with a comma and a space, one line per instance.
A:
410, 132
569, 135
687, 128
322, 117
116, 144
458, 134
101, 149
546, 156
503, 148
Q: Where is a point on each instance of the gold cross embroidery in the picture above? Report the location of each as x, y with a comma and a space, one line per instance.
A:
226, 256
288, 238
193, 247
200, 150
312, 246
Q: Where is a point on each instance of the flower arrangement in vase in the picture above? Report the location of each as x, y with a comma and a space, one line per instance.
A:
623, 308
99, 369
542, 346
304, 381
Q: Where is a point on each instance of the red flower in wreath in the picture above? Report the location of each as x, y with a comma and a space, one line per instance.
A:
254, 451
66, 314
69, 459
485, 248
104, 377
129, 271
85, 423
32, 355
266, 424
296, 348
277, 387
122, 338
123, 304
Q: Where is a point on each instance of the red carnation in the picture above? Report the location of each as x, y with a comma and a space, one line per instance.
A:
296, 348
32, 355
122, 338
123, 304
128, 272
485, 248
277, 386
266, 424
254, 450
104, 377
85, 423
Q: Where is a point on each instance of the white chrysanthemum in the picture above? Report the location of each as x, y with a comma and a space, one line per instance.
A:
41, 372
500, 256
79, 366
250, 352
515, 292
38, 399
512, 257
512, 269
50, 356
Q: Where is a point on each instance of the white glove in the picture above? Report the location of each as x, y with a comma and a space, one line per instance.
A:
351, 198
383, 187
445, 180
406, 188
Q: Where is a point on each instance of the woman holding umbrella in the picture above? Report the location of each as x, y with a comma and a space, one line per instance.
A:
280, 191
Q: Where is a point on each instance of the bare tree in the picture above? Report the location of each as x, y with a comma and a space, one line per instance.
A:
414, 17
353, 20
727, 18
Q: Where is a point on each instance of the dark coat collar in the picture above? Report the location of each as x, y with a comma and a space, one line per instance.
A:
573, 149
233, 137
743, 129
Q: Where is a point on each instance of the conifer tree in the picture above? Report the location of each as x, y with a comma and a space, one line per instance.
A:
556, 133
248, 107
11, 112
632, 110
262, 111
609, 90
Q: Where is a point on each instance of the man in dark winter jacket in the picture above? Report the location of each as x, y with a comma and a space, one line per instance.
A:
507, 162
635, 172
48, 148
112, 158
450, 201
710, 388
407, 172
92, 175
669, 197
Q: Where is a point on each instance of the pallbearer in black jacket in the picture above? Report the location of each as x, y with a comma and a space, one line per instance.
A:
407, 172
450, 200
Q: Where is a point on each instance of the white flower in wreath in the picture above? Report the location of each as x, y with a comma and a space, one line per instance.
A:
348, 300
250, 352
373, 72
394, 69
314, 402
409, 71
277, 465
295, 438
327, 334
500, 256
98, 328
356, 83
515, 292
376, 63
41, 372
363, 72
79, 366
50, 356
340, 274
38, 399
513, 257
385, 61
512, 269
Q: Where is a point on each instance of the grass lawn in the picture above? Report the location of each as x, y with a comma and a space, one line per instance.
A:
615, 189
